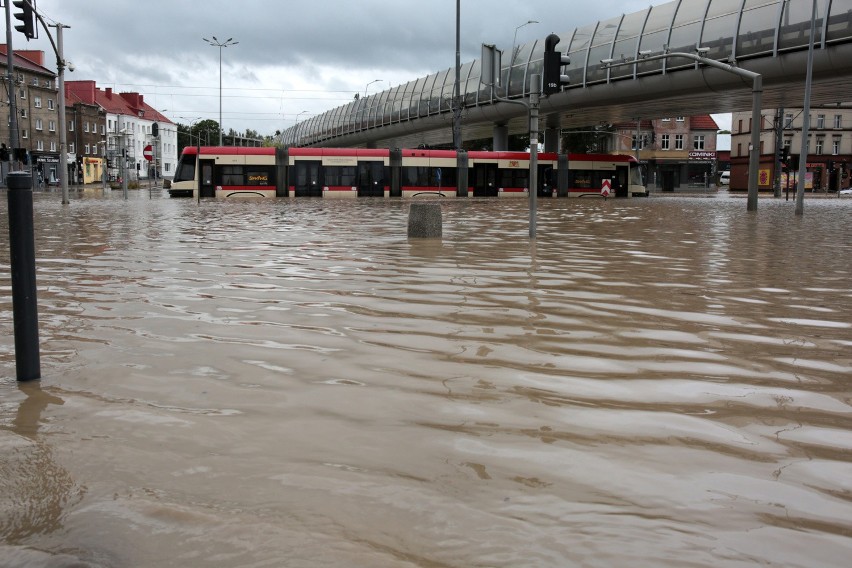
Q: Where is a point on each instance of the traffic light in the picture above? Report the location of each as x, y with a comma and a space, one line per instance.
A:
27, 17
784, 154
553, 62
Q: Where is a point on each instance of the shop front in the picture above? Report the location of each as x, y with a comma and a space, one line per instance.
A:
701, 169
92, 169
47, 166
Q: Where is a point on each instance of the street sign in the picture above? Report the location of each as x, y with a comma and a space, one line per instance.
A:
148, 152
606, 188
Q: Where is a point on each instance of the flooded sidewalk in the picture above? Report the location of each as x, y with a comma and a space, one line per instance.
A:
294, 382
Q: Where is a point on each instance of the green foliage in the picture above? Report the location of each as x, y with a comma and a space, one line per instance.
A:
202, 133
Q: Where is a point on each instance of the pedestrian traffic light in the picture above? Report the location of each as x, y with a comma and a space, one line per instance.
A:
553, 62
784, 154
27, 17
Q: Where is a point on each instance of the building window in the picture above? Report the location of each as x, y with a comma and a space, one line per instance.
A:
40, 145
820, 121
835, 146
23, 113
23, 94
678, 141
25, 133
86, 126
50, 104
38, 124
71, 147
37, 102
788, 120
679, 119
52, 146
698, 142
667, 120
70, 126
838, 121
664, 142
819, 146
51, 125
103, 130
87, 149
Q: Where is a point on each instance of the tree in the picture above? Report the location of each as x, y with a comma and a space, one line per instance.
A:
202, 133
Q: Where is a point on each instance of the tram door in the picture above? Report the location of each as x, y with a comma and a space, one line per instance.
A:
307, 178
546, 180
484, 180
371, 179
206, 183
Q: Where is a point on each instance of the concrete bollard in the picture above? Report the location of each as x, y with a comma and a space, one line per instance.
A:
424, 221
22, 249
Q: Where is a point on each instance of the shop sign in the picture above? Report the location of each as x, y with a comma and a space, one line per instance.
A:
702, 155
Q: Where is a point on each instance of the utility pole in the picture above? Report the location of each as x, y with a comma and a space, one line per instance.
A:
779, 141
457, 102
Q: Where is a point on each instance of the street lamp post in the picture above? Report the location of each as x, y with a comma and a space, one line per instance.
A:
220, 44
368, 85
756, 92
515, 39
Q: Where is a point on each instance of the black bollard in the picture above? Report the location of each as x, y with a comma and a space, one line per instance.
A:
424, 220
22, 249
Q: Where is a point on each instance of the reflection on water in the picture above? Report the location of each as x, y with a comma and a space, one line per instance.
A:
658, 382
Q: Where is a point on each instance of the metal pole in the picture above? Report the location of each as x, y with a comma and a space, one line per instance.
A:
220, 95
806, 118
457, 88
63, 128
754, 154
779, 141
22, 255
535, 88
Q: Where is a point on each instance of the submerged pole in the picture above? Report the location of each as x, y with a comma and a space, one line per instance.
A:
22, 253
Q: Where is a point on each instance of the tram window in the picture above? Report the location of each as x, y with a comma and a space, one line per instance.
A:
582, 178
514, 178
185, 169
425, 176
232, 175
340, 175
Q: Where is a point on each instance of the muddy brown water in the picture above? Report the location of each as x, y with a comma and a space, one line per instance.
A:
653, 382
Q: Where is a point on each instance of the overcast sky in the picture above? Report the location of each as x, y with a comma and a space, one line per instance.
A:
294, 59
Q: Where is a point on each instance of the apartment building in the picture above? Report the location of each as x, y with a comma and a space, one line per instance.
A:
827, 152
678, 152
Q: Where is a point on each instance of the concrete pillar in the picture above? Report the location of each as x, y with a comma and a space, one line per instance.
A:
551, 139
424, 220
501, 137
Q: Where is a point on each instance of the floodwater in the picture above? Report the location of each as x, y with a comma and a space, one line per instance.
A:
654, 382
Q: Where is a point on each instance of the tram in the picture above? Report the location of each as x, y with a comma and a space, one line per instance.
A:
236, 171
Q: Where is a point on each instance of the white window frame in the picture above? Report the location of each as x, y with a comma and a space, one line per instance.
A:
664, 142
698, 142
37, 101
39, 124
838, 121
818, 150
678, 141
50, 104
51, 125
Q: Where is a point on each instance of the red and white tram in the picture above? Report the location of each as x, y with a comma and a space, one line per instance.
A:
225, 171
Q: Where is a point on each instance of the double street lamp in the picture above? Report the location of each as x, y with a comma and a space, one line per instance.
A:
220, 44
